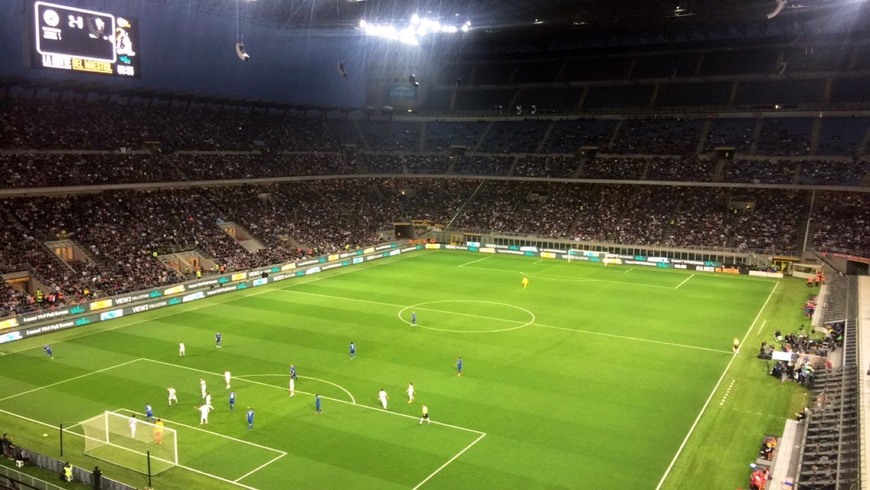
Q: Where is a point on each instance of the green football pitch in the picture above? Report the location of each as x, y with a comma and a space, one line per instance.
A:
592, 377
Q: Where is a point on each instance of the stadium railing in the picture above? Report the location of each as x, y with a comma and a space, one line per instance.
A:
13, 478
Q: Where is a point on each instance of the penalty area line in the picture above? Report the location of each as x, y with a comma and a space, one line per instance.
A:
193, 427
455, 456
342, 388
258, 468
260, 383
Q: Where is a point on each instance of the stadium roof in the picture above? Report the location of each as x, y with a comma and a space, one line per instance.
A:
508, 16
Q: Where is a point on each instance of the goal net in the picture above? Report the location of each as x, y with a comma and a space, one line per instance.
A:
112, 437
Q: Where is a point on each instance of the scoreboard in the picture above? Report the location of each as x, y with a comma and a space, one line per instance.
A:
76, 39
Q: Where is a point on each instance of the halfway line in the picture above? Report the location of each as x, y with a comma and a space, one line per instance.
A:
636, 339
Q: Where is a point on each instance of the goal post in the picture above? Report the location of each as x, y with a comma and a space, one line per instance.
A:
117, 439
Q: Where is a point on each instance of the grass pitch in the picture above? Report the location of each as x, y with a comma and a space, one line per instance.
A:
592, 377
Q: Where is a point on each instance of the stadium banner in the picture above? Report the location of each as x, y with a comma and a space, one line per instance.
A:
108, 315
42, 316
693, 267
102, 304
132, 298
50, 321
10, 323
175, 290
192, 297
10, 337
777, 275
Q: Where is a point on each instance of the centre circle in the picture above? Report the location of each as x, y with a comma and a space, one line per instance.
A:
431, 307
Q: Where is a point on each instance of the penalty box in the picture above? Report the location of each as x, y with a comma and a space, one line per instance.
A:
348, 443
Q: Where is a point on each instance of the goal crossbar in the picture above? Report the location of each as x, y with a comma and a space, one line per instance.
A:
128, 441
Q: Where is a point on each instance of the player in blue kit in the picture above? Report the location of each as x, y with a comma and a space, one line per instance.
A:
149, 412
232, 401
352, 350
459, 366
249, 415
217, 340
48, 352
293, 372
317, 404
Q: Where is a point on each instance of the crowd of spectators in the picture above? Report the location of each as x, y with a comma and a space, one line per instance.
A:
70, 124
66, 169
658, 136
680, 169
124, 233
548, 166
759, 171
89, 168
841, 223
482, 165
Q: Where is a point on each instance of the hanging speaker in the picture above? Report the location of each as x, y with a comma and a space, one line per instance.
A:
241, 53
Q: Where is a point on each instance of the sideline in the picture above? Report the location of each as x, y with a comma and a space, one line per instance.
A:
215, 301
713, 392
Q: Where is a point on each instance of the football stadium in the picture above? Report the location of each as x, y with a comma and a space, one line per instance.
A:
478, 244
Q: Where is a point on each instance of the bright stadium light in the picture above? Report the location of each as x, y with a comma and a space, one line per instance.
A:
416, 29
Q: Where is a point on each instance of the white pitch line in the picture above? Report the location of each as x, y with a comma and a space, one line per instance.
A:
712, 393
226, 480
761, 327
421, 308
685, 281
258, 468
39, 422
231, 297
629, 270
460, 453
69, 379
635, 339
181, 424
466, 429
342, 388
475, 261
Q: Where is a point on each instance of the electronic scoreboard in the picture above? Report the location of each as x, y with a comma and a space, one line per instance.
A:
76, 39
